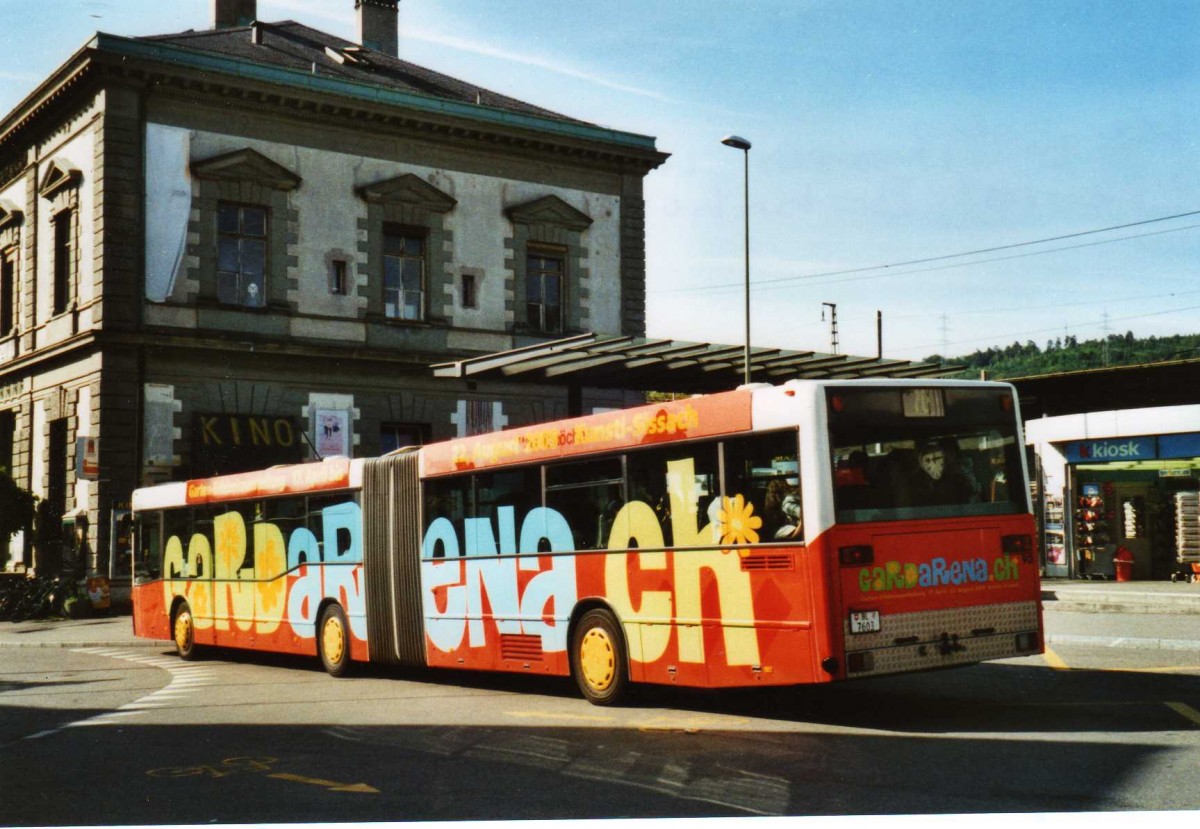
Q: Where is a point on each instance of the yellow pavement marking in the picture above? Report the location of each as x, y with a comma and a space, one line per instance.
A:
541, 715
360, 788
1184, 710
1172, 669
1055, 661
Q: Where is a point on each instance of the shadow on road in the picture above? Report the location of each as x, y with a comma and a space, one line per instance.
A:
136, 774
987, 698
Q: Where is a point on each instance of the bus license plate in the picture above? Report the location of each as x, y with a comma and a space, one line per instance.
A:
864, 621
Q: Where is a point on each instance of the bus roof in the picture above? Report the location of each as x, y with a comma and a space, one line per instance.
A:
688, 418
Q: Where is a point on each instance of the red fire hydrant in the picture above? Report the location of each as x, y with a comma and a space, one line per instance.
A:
1123, 564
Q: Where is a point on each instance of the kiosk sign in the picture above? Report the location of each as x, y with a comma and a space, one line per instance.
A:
1111, 449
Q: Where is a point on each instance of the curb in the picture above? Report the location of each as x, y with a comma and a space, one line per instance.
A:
1124, 642
1098, 602
133, 643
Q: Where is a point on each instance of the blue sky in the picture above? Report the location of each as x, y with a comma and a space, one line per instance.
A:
885, 132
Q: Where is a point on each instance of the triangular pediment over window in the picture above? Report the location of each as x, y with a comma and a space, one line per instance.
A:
9, 214
408, 189
59, 176
550, 210
247, 165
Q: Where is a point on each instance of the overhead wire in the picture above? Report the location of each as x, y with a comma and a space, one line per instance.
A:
767, 284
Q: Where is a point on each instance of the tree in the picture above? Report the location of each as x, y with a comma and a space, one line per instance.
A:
16, 512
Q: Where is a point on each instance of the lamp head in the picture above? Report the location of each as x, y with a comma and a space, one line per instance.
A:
736, 141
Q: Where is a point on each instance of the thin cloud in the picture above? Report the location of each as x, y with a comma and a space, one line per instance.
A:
484, 50
322, 9
313, 8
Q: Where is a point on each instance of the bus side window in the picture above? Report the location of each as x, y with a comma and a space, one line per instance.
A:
252, 515
519, 488
286, 515
177, 523
589, 494
764, 470
148, 552
451, 499
651, 480
343, 548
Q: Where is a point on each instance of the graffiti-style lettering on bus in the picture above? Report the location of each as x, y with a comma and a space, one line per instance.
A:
459, 574
228, 590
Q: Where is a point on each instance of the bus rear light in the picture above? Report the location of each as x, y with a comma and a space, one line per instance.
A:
1028, 642
859, 662
856, 556
1017, 544
837, 403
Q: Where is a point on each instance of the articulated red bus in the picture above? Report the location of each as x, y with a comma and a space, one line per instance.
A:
772, 535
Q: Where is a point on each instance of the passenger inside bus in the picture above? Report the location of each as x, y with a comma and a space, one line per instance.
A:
941, 479
853, 478
781, 510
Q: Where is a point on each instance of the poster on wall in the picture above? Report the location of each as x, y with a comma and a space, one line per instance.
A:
333, 433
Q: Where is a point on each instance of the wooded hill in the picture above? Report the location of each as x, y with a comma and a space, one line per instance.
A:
1068, 354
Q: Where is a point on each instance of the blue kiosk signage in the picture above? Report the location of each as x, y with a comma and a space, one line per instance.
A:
1145, 448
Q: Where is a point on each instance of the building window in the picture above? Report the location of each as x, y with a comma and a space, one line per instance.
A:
8, 429
8, 292
544, 291
241, 255
339, 277
403, 273
63, 248
470, 291
393, 436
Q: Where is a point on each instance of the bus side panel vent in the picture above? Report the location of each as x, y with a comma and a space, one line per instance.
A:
767, 560
521, 647
392, 559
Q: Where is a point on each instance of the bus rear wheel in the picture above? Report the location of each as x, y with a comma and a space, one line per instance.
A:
598, 660
183, 631
333, 641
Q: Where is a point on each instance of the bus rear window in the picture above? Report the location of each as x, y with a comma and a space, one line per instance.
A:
933, 452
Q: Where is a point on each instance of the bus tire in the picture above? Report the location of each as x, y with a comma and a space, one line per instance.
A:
598, 660
183, 632
333, 641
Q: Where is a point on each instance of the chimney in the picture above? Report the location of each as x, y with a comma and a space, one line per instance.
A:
378, 25
231, 13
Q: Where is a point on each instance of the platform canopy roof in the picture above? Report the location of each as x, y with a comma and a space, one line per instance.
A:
645, 364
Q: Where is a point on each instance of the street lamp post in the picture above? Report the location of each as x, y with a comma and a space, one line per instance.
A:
739, 143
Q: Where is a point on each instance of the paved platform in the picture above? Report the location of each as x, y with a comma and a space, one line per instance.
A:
1159, 597
98, 632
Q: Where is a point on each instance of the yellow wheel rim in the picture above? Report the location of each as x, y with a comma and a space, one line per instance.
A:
183, 631
333, 643
597, 659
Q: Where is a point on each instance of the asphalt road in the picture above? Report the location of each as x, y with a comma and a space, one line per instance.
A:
133, 735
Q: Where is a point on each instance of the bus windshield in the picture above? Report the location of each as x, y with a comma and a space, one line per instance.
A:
937, 452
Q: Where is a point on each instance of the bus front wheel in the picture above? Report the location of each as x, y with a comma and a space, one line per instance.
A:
598, 659
183, 631
333, 641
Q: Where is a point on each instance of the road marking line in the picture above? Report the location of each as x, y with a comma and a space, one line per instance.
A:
541, 715
1174, 669
1184, 710
41, 734
1055, 661
359, 788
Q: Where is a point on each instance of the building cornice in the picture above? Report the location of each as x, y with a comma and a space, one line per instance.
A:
169, 65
